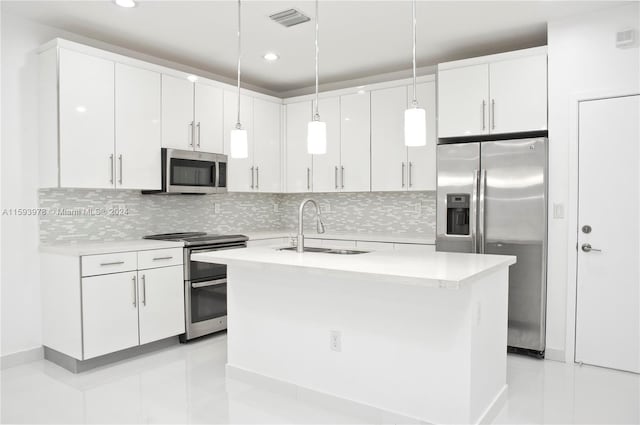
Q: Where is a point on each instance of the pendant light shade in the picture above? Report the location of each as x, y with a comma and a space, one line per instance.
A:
238, 143
316, 130
415, 118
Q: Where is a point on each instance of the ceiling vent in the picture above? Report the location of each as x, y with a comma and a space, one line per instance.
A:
289, 17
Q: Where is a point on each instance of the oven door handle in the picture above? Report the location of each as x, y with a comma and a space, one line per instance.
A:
214, 282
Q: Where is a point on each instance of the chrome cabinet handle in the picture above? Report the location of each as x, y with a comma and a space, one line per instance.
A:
111, 165
162, 258
120, 161
403, 166
251, 169
113, 263
342, 175
410, 172
335, 176
135, 301
191, 125
474, 219
214, 282
493, 114
586, 247
484, 107
308, 178
198, 126
144, 290
257, 178
481, 215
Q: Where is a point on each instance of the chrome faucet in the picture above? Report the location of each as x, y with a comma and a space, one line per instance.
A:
319, 223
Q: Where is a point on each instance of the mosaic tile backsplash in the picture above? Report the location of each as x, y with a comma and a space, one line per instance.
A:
107, 215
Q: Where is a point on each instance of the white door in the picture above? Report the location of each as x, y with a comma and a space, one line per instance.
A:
109, 313
298, 162
608, 294
355, 143
388, 152
518, 89
86, 121
161, 294
209, 118
267, 155
177, 113
421, 174
240, 171
138, 129
326, 167
463, 96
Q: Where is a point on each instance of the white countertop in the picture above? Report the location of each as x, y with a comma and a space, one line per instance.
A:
442, 269
424, 239
98, 247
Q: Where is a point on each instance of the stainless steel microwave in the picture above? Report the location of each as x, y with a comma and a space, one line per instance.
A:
192, 172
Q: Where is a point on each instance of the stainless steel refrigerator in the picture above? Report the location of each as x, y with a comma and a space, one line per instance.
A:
492, 199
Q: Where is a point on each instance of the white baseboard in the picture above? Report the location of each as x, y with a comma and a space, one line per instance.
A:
554, 354
21, 357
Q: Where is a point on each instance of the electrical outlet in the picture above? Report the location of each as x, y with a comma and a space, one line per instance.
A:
276, 207
417, 208
558, 210
335, 341
216, 208
326, 207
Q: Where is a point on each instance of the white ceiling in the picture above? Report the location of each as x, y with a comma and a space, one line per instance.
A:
357, 38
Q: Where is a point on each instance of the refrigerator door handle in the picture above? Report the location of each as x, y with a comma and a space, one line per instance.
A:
481, 208
473, 219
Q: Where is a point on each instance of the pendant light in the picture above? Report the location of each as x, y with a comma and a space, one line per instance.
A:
415, 119
239, 145
316, 130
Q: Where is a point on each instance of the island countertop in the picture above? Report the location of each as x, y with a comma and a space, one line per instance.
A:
440, 269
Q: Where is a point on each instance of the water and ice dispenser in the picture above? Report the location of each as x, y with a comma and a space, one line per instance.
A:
458, 213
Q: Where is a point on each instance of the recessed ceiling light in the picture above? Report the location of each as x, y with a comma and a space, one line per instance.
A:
125, 3
270, 56
192, 78
361, 91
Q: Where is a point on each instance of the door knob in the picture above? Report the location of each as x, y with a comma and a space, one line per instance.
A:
586, 247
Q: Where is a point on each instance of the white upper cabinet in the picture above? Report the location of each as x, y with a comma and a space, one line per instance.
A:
388, 152
267, 151
355, 143
326, 167
498, 94
86, 121
518, 94
208, 118
421, 171
138, 129
298, 162
240, 171
463, 97
178, 126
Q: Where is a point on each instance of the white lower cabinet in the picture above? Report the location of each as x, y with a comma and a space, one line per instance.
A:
160, 315
109, 313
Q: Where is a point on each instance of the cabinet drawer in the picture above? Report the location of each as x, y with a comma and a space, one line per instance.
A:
108, 263
159, 258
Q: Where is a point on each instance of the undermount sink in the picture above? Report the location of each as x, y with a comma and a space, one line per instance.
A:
326, 250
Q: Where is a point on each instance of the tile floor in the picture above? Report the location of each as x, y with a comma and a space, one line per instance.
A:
186, 384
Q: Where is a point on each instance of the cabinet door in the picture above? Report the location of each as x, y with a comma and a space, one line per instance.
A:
86, 121
161, 294
209, 135
109, 313
177, 113
326, 167
355, 143
138, 129
463, 95
240, 171
388, 152
266, 145
298, 162
421, 174
518, 95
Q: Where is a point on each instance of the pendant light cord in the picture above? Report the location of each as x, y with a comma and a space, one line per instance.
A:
316, 116
238, 125
415, 100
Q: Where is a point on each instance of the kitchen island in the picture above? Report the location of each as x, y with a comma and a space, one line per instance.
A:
411, 336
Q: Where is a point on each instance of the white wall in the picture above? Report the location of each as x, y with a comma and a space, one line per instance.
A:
583, 63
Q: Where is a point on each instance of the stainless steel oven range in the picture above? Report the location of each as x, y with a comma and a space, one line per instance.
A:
205, 284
